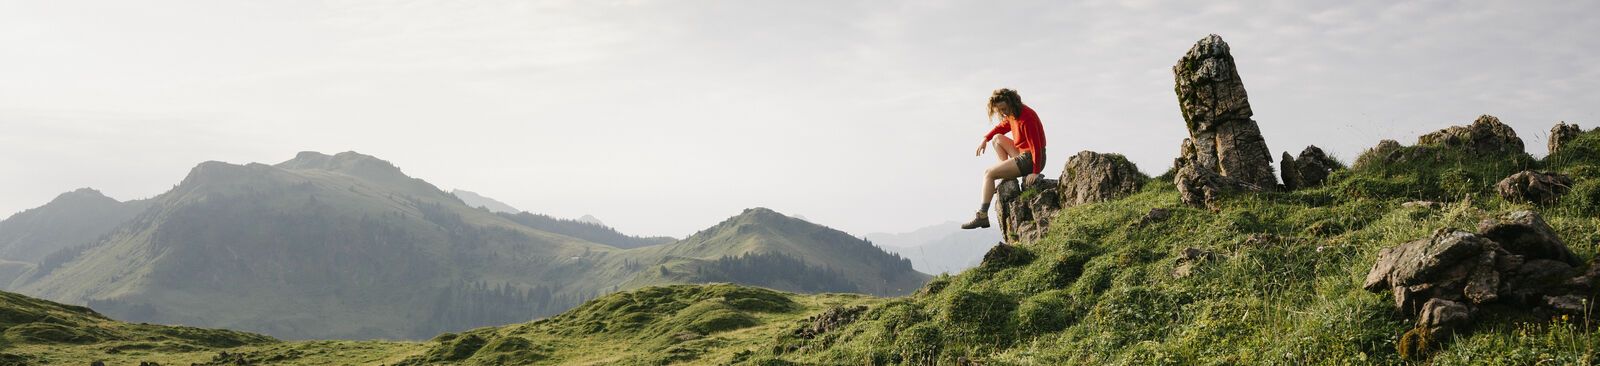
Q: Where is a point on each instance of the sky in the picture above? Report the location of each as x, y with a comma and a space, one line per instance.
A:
666, 117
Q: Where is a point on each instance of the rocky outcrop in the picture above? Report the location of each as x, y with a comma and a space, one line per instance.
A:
1095, 177
1534, 187
1025, 214
1225, 150
1452, 276
1484, 136
1310, 170
835, 318
1561, 134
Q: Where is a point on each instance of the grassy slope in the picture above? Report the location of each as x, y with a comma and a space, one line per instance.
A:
43, 332
1103, 290
687, 324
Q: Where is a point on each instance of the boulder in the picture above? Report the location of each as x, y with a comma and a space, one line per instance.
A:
1225, 150
1534, 187
1442, 317
1025, 214
1484, 136
1525, 233
1561, 134
1514, 263
1094, 177
1309, 170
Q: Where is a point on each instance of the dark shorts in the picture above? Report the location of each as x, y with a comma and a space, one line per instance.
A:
1025, 161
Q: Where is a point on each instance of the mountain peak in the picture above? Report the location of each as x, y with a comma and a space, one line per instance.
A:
83, 194
349, 162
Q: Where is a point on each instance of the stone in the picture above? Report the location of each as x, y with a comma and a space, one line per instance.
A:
1565, 304
1381, 152
1025, 214
1534, 187
1484, 136
1442, 317
834, 318
1311, 168
1005, 255
1561, 134
1154, 216
1423, 204
1525, 233
1095, 177
1224, 150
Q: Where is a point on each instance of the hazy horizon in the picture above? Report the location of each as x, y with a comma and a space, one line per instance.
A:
663, 118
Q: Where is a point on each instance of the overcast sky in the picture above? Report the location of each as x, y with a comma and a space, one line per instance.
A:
666, 117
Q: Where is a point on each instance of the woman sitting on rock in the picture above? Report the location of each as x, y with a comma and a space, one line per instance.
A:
1022, 153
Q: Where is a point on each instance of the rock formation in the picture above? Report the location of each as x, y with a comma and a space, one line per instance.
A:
1453, 275
1025, 214
1561, 134
1484, 136
1310, 170
1534, 187
1095, 177
1225, 150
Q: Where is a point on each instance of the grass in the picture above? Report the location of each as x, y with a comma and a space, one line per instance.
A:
1284, 290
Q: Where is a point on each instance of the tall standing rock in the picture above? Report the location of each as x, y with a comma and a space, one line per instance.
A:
1225, 150
1561, 133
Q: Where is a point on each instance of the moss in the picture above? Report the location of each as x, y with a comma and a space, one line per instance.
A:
1416, 344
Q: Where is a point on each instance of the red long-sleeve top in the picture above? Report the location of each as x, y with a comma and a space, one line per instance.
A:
1027, 132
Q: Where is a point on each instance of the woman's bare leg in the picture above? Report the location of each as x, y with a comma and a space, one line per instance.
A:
1004, 170
1004, 148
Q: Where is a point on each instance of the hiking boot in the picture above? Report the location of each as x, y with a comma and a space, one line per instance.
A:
981, 221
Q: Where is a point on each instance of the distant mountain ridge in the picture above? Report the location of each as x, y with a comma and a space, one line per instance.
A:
73, 218
347, 246
761, 247
473, 199
940, 248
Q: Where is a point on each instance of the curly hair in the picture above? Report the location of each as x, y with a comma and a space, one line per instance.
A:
1012, 100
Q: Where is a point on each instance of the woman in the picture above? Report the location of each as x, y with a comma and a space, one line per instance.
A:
1021, 154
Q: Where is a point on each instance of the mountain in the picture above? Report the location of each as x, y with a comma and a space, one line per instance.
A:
592, 220
761, 247
349, 247
73, 218
585, 230
344, 246
477, 200
939, 248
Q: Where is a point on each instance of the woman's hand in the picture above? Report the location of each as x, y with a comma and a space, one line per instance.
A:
983, 145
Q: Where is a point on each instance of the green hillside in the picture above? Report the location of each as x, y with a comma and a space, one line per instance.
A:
699, 324
1283, 288
74, 218
349, 247
761, 247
